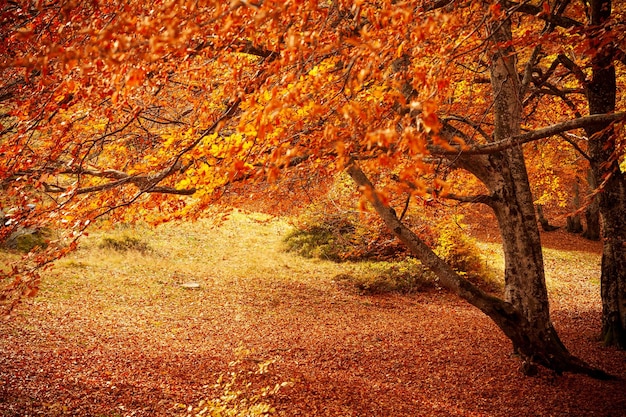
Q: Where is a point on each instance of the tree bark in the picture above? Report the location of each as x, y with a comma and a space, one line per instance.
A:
601, 96
513, 201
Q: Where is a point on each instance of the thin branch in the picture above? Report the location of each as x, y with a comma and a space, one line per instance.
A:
528, 71
575, 146
468, 122
406, 206
480, 198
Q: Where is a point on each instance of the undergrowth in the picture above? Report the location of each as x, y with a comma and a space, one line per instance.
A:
329, 232
372, 278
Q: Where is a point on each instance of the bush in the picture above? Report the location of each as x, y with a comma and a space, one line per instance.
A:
342, 236
463, 254
315, 242
405, 277
27, 239
333, 229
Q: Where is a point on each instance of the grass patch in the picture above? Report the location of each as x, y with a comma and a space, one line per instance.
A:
124, 242
372, 278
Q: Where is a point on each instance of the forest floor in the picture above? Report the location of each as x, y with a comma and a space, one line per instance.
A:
120, 333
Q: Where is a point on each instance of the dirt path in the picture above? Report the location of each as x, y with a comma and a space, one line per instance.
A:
115, 335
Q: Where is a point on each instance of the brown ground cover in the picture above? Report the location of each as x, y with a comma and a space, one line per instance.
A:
115, 334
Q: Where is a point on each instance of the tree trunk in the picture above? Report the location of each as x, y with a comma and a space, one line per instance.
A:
601, 95
573, 221
613, 277
545, 224
513, 201
592, 212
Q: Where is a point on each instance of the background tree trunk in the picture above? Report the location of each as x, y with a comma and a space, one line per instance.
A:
592, 212
573, 224
601, 96
545, 224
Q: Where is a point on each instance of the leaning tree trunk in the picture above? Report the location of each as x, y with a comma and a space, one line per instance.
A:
601, 95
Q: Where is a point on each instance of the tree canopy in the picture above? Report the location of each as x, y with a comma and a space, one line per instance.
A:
157, 110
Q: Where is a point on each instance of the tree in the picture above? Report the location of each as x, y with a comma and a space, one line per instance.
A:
115, 107
605, 151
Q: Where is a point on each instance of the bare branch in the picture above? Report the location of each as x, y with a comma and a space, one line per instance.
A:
575, 146
468, 122
436, 5
528, 70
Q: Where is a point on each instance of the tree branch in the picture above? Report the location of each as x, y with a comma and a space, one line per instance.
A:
534, 135
481, 198
468, 122
575, 146
537, 11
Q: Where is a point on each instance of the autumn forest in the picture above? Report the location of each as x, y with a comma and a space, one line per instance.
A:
341, 208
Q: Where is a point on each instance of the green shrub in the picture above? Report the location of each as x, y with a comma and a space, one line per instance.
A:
342, 236
314, 242
384, 277
27, 239
333, 229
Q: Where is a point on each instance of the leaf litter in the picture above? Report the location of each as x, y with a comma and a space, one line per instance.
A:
114, 334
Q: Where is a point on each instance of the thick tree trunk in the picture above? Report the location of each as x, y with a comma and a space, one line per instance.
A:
601, 95
613, 278
513, 201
